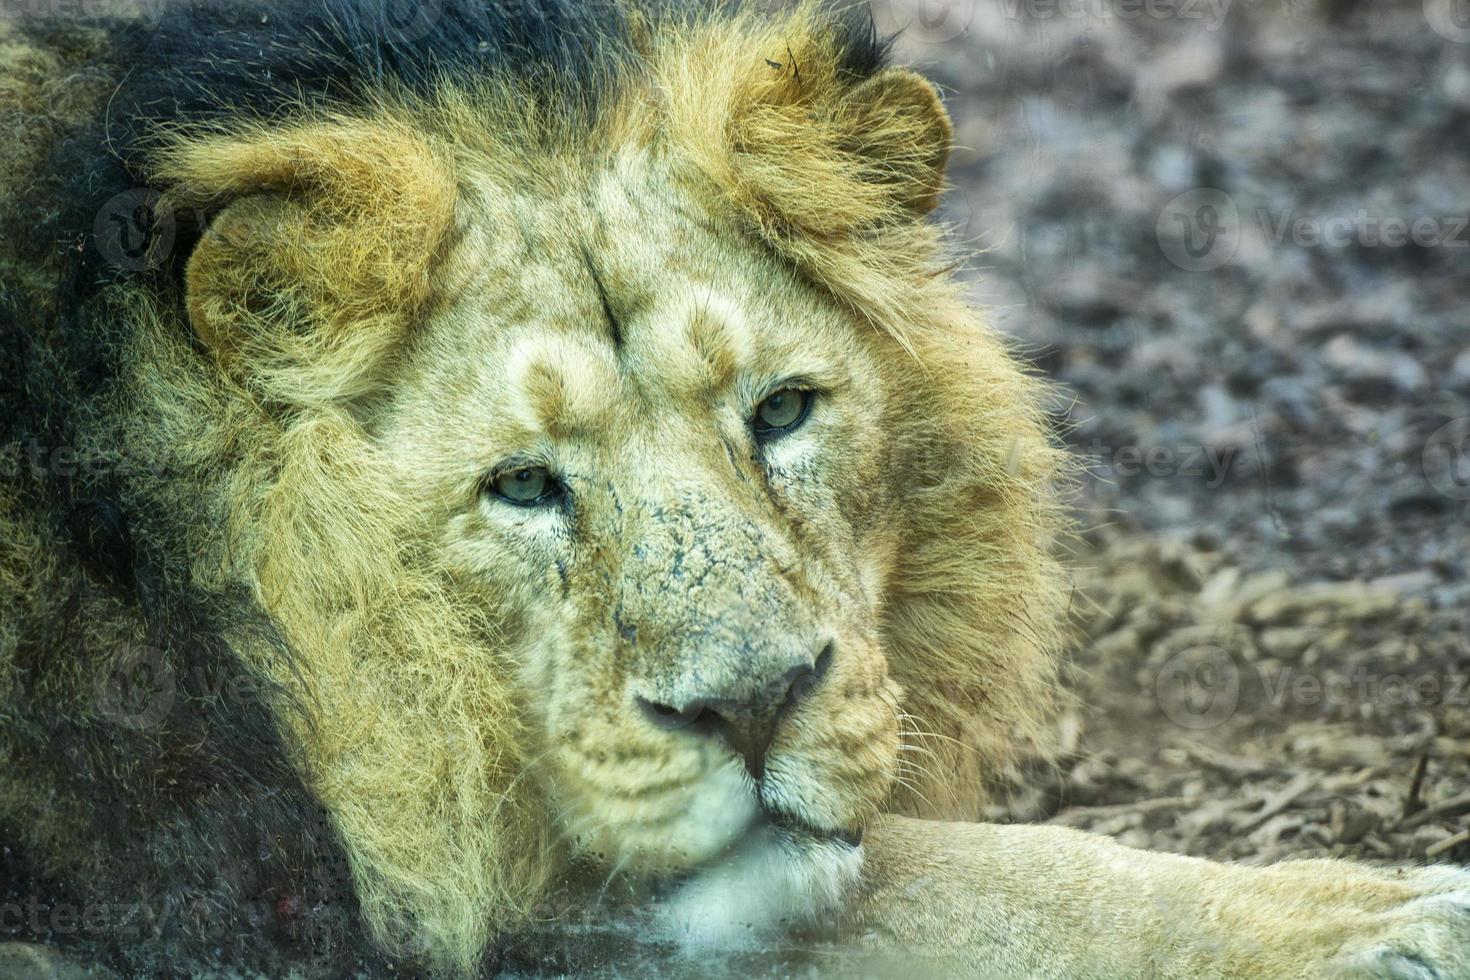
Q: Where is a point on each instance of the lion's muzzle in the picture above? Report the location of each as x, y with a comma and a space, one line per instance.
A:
745, 715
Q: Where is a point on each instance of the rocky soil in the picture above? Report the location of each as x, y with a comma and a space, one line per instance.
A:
1236, 235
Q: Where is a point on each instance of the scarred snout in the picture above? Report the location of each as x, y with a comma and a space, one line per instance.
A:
725, 642
743, 688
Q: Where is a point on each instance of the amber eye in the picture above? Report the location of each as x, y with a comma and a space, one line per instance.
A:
781, 412
525, 486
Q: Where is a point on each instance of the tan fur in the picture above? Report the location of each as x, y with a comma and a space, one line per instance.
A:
396, 303
334, 228
828, 173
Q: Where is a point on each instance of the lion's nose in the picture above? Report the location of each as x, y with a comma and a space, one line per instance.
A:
748, 723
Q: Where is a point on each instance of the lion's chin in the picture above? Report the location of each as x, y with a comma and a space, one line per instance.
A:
780, 874
717, 817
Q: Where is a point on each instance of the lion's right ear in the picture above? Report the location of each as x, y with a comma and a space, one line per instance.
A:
319, 252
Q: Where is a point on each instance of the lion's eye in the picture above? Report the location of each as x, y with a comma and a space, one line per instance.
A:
525, 486
782, 412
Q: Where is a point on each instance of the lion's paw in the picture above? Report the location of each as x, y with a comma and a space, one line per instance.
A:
1426, 938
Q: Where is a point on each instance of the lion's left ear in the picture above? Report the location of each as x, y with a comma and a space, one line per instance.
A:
788, 135
899, 129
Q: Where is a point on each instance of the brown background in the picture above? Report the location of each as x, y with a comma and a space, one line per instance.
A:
1275, 428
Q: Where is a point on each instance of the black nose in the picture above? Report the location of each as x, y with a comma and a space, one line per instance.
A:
747, 724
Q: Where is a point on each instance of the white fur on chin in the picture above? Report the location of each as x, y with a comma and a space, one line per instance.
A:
770, 881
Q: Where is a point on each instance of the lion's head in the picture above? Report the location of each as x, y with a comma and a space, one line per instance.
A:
624, 480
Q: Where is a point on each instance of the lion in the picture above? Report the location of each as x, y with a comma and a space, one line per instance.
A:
459, 457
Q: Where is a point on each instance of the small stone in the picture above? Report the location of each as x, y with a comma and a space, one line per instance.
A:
1370, 367
1261, 584
1220, 586
1287, 642
1460, 369
1404, 583
1321, 604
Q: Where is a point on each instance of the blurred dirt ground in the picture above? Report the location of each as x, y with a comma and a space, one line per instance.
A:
1236, 234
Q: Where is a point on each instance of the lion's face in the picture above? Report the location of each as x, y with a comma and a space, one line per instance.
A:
632, 483
662, 458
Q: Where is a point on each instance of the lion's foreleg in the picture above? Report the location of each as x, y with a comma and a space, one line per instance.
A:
989, 900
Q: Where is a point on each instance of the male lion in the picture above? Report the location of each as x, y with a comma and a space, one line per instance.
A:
451, 451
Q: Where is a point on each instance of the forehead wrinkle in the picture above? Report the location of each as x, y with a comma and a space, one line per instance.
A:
639, 241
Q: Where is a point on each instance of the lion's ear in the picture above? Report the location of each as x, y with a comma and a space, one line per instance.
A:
319, 251
902, 133
788, 134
